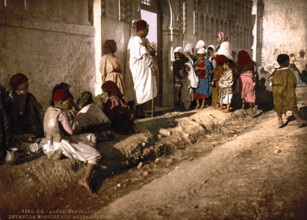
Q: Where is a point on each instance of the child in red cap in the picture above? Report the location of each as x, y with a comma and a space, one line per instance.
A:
60, 128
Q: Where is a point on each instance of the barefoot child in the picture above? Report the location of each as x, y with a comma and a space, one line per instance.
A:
284, 97
59, 129
225, 83
246, 68
217, 74
203, 71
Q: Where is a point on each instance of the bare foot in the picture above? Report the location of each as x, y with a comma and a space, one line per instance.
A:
202, 107
85, 183
251, 113
197, 107
220, 108
226, 111
217, 106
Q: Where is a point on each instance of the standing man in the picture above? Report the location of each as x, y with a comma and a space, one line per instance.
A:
142, 68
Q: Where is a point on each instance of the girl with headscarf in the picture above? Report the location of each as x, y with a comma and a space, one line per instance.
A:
25, 112
203, 71
210, 52
223, 46
200, 44
117, 110
246, 69
217, 74
189, 50
109, 66
61, 138
225, 83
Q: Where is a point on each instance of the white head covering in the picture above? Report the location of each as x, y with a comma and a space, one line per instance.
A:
188, 48
200, 44
225, 49
178, 49
193, 79
212, 46
201, 51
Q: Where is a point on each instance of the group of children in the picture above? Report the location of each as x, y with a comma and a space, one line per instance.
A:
65, 128
202, 77
217, 76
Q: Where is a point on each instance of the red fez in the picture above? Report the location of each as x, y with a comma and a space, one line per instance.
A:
61, 94
243, 58
141, 24
220, 59
17, 80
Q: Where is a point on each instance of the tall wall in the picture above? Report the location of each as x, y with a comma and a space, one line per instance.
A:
50, 42
233, 17
284, 31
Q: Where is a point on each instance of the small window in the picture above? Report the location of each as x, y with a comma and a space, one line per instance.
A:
146, 2
149, 5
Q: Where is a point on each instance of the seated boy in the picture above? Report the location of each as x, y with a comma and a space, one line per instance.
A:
91, 118
60, 128
284, 97
25, 112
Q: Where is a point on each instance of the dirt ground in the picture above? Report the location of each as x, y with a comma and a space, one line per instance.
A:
184, 165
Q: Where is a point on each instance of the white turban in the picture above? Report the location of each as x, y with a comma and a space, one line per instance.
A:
178, 49
200, 44
212, 46
201, 51
188, 48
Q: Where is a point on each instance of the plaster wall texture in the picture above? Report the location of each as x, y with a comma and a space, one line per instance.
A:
118, 31
46, 49
284, 31
47, 58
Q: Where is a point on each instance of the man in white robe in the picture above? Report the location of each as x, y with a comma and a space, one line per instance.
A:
142, 68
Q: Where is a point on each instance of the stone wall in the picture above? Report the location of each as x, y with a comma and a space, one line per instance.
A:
284, 31
50, 42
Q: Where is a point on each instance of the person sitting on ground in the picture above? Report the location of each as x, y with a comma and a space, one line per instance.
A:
284, 97
91, 118
203, 71
217, 74
246, 69
225, 83
117, 110
59, 129
61, 85
26, 114
5, 126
